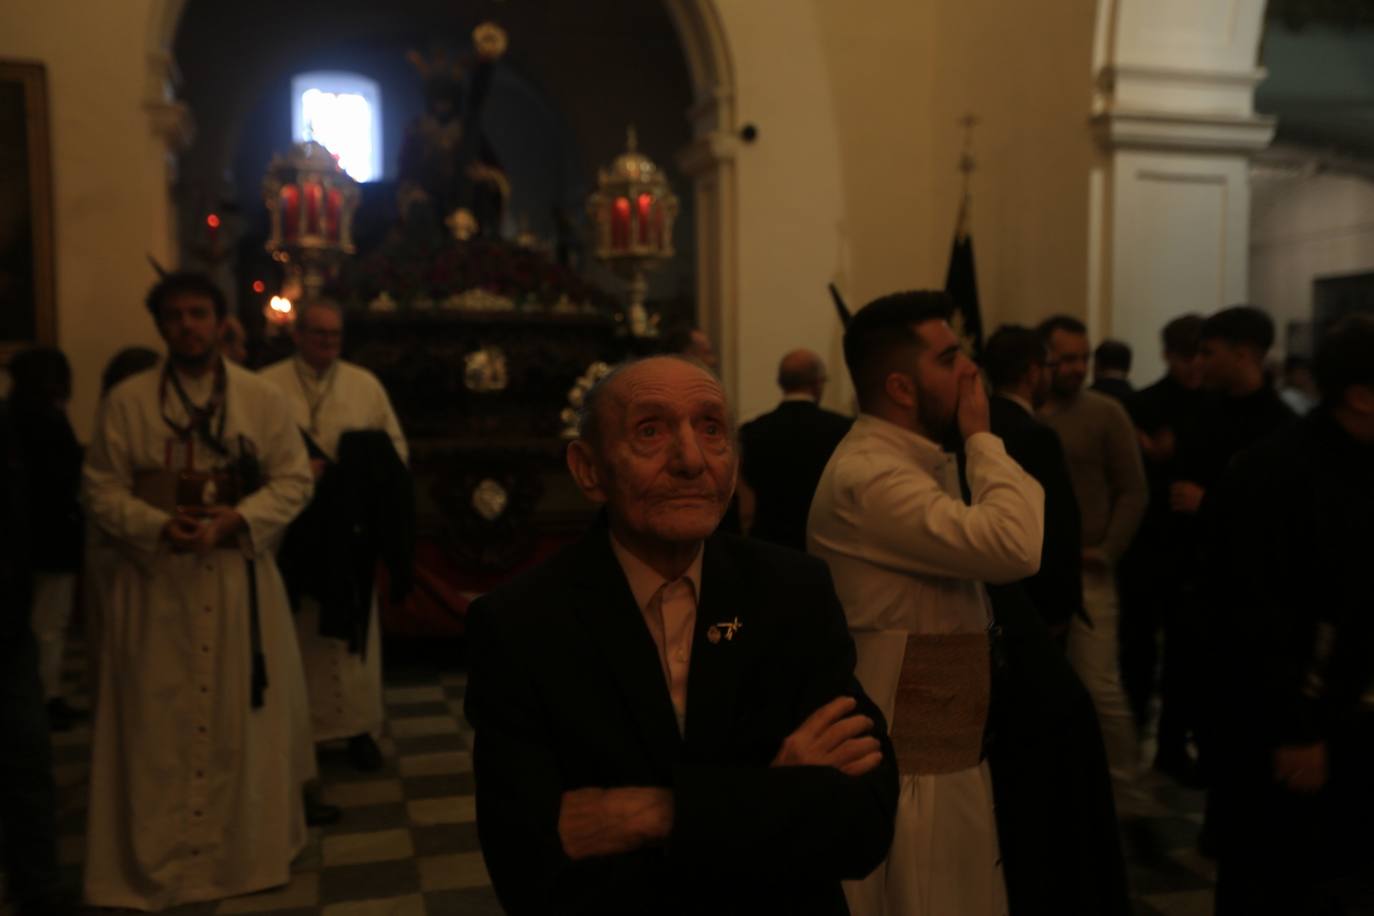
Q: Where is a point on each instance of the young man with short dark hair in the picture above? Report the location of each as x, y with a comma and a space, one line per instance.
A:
194, 470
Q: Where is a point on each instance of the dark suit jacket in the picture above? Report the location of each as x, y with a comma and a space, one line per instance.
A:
783, 454
363, 511
1056, 821
1057, 589
566, 691
1117, 388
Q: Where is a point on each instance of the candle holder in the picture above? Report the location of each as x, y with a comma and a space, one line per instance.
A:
311, 201
632, 212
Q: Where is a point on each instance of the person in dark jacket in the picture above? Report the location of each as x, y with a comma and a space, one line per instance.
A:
42, 385
1239, 410
1151, 597
783, 452
1112, 370
28, 795
1015, 360
1291, 532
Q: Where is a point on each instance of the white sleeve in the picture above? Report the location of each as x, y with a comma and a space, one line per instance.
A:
907, 522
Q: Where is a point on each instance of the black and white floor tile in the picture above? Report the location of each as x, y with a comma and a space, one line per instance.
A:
407, 842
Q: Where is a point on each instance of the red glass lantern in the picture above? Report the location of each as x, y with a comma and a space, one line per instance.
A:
311, 201
632, 211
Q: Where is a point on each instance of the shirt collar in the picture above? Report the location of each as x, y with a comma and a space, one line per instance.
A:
926, 452
1017, 399
308, 372
798, 396
198, 388
644, 580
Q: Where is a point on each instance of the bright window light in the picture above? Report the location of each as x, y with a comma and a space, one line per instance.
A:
343, 112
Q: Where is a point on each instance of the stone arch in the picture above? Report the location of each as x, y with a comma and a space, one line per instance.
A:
709, 160
1169, 215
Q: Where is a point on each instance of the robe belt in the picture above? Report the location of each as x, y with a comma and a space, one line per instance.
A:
941, 710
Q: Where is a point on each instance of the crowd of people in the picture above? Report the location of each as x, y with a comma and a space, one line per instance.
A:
900, 663
214, 667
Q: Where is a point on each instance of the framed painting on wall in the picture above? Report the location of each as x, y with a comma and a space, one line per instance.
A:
28, 312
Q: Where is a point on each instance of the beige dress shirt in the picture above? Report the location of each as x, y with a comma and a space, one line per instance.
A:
670, 612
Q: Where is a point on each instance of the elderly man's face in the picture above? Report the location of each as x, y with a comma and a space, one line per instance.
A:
665, 464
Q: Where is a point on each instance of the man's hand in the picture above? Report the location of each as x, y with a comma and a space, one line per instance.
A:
1159, 447
830, 737
218, 525
606, 822
973, 405
181, 532
1301, 767
1186, 497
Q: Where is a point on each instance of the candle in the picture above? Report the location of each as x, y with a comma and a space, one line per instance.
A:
290, 212
313, 200
333, 206
644, 202
620, 224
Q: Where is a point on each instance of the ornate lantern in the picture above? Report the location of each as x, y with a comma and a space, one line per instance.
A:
632, 211
311, 200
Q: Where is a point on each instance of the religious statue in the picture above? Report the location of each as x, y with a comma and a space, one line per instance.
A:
449, 172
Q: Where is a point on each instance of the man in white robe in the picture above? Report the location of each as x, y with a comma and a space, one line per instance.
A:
909, 557
328, 396
199, 748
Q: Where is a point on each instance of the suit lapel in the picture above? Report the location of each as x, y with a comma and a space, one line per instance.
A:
607, 611
717, 661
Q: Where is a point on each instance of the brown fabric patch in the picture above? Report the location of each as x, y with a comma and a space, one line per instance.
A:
942, 703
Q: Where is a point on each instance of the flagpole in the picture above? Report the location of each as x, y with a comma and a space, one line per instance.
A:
961, 278
967, 166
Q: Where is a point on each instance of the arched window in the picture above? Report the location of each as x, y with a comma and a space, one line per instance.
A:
342, 111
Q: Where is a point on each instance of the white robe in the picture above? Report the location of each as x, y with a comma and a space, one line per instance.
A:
194, 794
345, 689
908, 556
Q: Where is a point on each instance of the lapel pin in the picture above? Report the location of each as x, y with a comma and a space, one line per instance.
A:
729, 627
713, 634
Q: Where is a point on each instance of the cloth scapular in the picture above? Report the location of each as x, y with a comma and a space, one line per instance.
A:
363, 511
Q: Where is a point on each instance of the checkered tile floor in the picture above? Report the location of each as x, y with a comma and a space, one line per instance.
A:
407, 842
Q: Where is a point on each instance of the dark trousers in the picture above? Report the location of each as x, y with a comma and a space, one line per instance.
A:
1182, 680
1290, 854
28, 797
1156, 600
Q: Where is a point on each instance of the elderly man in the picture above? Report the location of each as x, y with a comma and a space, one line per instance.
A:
784, 451
326, 397
909, 558
199, 750
667, 719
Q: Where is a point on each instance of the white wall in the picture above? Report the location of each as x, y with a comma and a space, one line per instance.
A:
110, 179
1306, 226
791, 201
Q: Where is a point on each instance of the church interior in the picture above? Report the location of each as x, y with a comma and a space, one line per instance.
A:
507, 197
